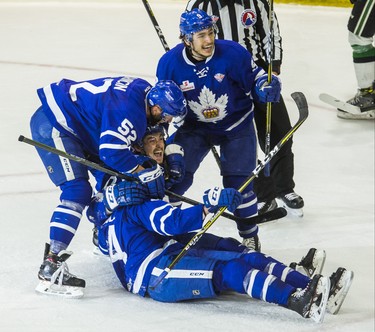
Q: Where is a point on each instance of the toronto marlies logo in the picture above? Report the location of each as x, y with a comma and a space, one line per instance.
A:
201, 73
209, 109
248, 18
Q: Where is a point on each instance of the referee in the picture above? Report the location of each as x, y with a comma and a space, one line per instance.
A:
247, 22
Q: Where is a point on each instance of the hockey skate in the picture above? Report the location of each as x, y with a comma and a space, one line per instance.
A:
310, 264
95, 240
365, 101
252, 243
292, 202
311, 302
266, 206
55, 278
341, 281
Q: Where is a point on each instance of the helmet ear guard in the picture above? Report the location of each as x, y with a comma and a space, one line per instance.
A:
169, 97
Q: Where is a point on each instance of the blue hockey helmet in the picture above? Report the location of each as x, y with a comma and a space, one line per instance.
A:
150, 130
169, 97
194, 21
159, 128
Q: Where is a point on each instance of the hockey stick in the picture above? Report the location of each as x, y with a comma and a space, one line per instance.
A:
265, 217
166, 48
156, 25
274, 214
267, 146
301, 102
73, 157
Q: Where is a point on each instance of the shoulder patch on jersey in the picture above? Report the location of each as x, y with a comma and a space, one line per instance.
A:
219, 77
248, 18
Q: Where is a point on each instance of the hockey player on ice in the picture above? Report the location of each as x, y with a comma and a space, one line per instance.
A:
361, 29
247, 22
97, 119
145, 233
219, 79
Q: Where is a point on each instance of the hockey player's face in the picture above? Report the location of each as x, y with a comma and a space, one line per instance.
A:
154, 146
203, 43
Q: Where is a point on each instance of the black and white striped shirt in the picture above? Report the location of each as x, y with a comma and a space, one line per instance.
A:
246, 22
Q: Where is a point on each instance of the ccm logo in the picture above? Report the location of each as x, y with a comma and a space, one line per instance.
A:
197, 274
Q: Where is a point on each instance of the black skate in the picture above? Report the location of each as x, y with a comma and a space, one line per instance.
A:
266, 206
95, 239
311, 264
55, 278
311, 302
252, 243
365, 101
292, 202
341, 281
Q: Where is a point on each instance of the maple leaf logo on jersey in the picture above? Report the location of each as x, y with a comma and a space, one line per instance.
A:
209, 109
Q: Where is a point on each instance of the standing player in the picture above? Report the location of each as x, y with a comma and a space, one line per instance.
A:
361, 28
97, 119
247, 22
219, 79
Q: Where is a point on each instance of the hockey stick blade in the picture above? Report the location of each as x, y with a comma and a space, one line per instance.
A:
301, 102
267, 216
339, 104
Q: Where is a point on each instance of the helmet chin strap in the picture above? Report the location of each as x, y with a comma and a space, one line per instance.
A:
190, 50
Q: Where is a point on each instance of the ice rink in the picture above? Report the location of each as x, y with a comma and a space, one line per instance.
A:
334, 169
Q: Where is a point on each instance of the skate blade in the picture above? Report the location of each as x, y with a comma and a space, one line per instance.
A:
318, 261
97, 252
369, 115
317, 312
290, 212
45, 287
334, 304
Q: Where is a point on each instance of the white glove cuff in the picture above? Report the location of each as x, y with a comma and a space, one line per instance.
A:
174, 148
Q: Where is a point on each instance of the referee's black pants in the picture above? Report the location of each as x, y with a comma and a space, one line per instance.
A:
282, 164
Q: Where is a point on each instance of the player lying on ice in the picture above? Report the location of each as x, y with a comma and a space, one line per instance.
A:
144, 234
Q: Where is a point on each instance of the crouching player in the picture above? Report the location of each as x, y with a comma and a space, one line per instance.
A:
144, 234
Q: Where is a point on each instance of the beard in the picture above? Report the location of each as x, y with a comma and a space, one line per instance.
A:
154, 120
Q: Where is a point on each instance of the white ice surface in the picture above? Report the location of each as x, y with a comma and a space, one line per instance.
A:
334, 169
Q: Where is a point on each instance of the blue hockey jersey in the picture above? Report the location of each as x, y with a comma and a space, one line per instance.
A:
106, 115
218, 91
135, 237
